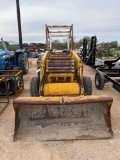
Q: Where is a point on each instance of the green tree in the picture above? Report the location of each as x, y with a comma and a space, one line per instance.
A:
114, 44
56, 44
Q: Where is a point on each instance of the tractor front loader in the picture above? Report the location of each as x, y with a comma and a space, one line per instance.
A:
61, 106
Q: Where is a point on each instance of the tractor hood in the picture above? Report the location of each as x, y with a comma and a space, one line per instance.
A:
3, 54
20, 50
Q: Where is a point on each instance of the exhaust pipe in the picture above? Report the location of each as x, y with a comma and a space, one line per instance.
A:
19, 23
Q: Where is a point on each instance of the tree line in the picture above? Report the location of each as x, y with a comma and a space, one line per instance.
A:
57, 44
78, 44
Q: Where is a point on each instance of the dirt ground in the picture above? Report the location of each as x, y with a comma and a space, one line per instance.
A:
107, 149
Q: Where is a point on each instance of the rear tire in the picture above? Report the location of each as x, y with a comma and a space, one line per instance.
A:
99, 80
23, 62
87, 86
34, 87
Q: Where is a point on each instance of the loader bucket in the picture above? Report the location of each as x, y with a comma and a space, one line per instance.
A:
62, 118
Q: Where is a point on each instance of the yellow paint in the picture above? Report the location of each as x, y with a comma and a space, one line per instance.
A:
43, 62
42, 72
79, 65
58, 51
61, 89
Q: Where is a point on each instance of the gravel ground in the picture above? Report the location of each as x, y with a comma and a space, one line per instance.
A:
108, 149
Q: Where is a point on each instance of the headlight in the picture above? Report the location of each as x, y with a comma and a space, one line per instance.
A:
4, 56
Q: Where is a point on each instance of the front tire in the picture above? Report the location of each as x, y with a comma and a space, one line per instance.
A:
34, 87
23, 62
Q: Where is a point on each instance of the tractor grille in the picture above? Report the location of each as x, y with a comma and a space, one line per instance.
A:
60, 63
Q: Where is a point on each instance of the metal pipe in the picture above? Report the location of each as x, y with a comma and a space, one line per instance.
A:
59, 32
60, 35
59, 26
50, 42
19, 23
68, 43
72, 36
46, 31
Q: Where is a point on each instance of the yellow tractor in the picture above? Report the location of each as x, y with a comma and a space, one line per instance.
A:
61, 106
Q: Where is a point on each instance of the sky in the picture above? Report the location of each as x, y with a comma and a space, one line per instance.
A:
89, 18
